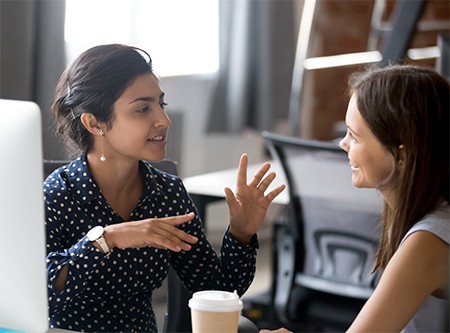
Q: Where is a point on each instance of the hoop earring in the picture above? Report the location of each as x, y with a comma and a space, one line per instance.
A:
102, 156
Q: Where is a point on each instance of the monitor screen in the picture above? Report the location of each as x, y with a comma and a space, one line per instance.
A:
23, 283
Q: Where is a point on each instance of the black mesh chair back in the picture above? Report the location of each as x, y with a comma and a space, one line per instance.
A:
325, 249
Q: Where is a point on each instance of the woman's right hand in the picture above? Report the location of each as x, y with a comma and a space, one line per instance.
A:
161, 233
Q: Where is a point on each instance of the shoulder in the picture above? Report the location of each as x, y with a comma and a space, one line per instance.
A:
429, 238
424, 250
74, 176
436, 222
57, 179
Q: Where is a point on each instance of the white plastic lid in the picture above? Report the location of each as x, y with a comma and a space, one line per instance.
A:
215, 301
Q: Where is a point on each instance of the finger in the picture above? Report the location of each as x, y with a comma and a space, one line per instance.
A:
179, 234
165, 243
168, 229
260, 174
266, 182
179, 219
242, 171
175, 239
274, 193
183, 236
233, 205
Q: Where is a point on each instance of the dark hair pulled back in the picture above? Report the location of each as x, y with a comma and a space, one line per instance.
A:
92, 84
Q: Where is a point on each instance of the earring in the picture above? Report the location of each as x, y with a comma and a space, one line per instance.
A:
102, 156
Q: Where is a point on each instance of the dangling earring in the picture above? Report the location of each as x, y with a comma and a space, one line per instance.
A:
102, 156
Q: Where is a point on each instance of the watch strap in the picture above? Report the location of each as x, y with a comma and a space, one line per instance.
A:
103, 245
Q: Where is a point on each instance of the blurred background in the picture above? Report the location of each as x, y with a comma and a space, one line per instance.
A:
226, 66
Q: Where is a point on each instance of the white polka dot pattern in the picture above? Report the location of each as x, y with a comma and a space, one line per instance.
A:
113, 293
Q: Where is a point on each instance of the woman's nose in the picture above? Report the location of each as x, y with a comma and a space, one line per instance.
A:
342, 143
163, 119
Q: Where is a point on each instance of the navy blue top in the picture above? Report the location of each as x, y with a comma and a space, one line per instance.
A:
113, 292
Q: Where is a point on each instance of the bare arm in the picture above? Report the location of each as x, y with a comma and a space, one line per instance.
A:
418, 269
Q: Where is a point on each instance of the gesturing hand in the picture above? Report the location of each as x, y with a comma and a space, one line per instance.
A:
249, 205
161, 233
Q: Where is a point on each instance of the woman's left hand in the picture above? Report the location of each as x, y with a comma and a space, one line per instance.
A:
249, 205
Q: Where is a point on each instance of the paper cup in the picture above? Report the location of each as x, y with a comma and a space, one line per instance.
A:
215, 311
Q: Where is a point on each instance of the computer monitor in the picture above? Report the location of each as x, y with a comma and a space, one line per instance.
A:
23, 282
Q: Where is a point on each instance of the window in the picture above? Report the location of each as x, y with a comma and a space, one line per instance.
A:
181, 36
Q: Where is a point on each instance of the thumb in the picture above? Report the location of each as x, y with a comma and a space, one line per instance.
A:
233, 204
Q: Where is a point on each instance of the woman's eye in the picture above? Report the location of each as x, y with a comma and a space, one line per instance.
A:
350, 135
163, 105
143, 109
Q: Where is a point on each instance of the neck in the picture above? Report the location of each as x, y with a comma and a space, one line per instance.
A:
389, 197
119, 181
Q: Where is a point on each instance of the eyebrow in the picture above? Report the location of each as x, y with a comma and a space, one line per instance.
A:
146, 99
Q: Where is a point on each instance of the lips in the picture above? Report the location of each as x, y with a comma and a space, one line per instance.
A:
354, 167
157, 138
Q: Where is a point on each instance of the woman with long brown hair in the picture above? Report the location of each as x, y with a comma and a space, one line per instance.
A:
398, 142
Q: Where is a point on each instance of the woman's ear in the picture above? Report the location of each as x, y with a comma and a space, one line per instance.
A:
90, 123
401, 157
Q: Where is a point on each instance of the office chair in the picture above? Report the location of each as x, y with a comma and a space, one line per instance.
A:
325, 248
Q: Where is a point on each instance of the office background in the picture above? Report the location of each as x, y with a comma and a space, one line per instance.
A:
226, 110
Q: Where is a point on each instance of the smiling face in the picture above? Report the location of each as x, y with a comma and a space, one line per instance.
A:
371, 163
140, 126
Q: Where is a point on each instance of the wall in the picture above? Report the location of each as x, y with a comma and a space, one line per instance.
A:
343, 27
339, 27
202, 152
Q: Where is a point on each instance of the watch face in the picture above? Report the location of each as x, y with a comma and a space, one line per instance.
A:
95, 233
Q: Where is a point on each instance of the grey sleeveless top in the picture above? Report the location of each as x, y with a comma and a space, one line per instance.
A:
433, 315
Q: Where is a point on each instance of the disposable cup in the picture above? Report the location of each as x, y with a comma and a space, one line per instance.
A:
215, 311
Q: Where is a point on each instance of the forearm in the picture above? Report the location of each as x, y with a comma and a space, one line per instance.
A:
61, 279
68, 270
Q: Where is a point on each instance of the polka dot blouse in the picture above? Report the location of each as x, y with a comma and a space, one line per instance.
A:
112, 293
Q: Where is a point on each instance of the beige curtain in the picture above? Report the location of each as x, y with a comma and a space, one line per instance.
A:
257, 48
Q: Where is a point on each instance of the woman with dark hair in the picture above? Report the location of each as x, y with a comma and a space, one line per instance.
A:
398, 142
115, 223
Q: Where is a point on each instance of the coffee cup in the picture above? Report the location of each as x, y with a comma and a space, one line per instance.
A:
215, 311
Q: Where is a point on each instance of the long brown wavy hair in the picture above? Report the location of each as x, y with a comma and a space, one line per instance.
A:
408, 106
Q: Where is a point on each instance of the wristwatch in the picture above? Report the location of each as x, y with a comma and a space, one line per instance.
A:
96, 235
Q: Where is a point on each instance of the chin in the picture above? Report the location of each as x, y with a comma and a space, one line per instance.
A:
154, 157
357, 185
357, 182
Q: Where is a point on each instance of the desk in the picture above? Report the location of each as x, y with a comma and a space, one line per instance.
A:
209, 187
